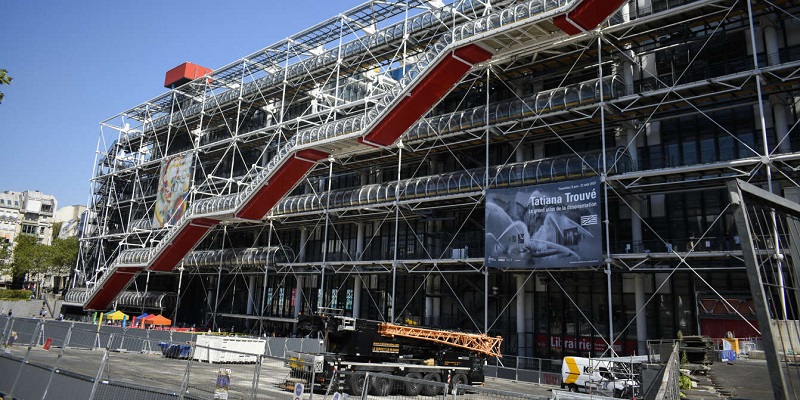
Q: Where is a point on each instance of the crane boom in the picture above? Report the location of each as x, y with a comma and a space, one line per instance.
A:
480, 343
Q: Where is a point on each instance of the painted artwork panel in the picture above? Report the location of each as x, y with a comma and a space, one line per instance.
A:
173, 189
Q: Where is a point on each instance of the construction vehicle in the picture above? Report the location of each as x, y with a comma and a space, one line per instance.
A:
354, 347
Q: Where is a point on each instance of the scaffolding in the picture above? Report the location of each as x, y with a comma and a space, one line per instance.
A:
364, 212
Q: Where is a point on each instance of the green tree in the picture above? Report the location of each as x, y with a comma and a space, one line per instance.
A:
56, 229
4, 80
5, 252
31, 259
65, 255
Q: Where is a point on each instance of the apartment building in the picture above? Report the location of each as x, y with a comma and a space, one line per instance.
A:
30, 212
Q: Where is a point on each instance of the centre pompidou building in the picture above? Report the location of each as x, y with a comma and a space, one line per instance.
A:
550, 171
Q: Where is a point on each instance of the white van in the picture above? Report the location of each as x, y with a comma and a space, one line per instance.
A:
598, 376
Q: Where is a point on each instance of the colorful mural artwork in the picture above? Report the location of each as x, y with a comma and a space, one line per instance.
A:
173, 189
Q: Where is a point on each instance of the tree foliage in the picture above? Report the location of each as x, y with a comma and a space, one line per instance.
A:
5, 251
65, 254
4, 80
30, 257
36, 260
56, 229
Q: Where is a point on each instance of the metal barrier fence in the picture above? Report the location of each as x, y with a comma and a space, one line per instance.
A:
47, 359
468, 392
670, 388
61, 359
541, 371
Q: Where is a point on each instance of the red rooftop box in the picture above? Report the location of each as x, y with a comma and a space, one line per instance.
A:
184, 73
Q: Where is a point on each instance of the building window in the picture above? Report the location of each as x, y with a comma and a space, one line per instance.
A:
29, 229
41, 230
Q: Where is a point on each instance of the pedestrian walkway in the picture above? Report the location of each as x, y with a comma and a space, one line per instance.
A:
741, 380
22, 308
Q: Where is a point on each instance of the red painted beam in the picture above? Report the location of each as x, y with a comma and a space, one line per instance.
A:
587, 15
281, 182
120, 279
433, 87
182, 244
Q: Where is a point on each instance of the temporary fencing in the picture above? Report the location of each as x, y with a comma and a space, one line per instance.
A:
474, 392
46, 359
541, 371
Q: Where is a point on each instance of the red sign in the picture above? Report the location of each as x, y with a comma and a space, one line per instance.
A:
581, 343
47, 343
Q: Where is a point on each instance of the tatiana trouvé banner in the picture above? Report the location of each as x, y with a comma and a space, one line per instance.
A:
553, 225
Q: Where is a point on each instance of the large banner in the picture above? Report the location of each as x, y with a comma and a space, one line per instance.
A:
173, 189
552, 225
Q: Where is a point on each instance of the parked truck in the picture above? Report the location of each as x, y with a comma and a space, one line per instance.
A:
618, 377
354, 347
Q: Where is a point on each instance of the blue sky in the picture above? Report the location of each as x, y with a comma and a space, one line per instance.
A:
76, 63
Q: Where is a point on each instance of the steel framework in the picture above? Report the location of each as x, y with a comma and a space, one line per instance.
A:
398, 116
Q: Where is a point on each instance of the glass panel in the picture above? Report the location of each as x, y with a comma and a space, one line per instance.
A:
707, 153
574, 166
515, 178
542, 101
529, 171
559, 168
515, 109
501, 112
689, 153
363, 194
587, 93
441, 184
543, 170
672, 155
430, 185
501, 177
727, 148
557, 99
571, 97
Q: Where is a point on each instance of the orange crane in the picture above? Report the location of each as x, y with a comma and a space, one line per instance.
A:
480, 343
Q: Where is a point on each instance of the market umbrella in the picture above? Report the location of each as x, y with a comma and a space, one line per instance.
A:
116, 315
157, 320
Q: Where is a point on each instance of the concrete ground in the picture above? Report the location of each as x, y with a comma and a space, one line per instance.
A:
741, 380
31, 308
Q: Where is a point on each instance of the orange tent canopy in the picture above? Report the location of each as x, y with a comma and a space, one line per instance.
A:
156, 320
